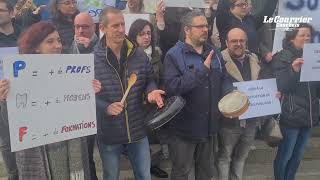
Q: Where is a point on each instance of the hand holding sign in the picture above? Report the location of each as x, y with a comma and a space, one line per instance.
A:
4, 89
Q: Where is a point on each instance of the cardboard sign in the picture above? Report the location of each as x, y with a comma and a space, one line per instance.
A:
51, 98
4, 52
310, 70
94, 7
297, 8
262, 97
130, 18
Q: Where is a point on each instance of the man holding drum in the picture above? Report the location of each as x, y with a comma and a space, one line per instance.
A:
236, 137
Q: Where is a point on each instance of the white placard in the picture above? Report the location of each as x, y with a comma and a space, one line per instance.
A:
94, 7
51, 98
150, 5
186, 3
4, 51
297, 8
262, 97
130, 18
310, 70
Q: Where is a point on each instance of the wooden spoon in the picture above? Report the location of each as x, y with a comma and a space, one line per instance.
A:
131, 81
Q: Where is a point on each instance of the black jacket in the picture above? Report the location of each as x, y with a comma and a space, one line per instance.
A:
300, 106
186, 75
65, 29
250, 23
11, 39
129, 126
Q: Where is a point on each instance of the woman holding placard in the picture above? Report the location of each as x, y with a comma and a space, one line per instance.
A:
300, 106
50, 161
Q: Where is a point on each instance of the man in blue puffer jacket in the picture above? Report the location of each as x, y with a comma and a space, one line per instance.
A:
193, 70
121, 126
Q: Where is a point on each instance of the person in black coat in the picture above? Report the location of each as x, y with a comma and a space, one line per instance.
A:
235, 13
300, 106
62, 16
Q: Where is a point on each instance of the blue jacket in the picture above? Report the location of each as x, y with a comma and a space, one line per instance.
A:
186, 75
129, 126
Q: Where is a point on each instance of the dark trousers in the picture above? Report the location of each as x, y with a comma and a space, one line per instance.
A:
88, 161
184, 153
91, 143
10, 164
8, 157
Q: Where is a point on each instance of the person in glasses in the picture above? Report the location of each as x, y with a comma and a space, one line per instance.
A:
236, 13
62, 16
193, 69
9, 34
85, 38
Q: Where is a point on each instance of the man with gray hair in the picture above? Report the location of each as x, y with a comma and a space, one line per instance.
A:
193, 70
121, 125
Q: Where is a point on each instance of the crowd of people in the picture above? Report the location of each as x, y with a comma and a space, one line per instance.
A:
194, 53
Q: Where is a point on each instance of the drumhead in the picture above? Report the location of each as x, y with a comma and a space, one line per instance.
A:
233, 104
159, 117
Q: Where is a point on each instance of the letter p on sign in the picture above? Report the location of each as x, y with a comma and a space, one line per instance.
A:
17, 66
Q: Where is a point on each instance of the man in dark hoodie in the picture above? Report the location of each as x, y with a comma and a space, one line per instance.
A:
121, 126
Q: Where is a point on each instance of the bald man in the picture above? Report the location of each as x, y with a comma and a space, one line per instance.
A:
84, 42
236, 136
85, 38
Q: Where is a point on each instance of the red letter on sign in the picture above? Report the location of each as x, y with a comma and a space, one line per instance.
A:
22, 132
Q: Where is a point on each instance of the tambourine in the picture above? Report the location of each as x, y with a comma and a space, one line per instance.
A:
234, 104
159, 117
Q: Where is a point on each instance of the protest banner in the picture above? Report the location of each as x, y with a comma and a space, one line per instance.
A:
130, 18
94, 7
186, 3
297, 9
262, 97
51, 98
310, 70
4, 51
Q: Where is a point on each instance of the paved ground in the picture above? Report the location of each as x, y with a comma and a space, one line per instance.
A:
258, 166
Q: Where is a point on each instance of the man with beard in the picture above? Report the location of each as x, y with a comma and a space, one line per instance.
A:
236, 137
85, 38
193, 70
8, 38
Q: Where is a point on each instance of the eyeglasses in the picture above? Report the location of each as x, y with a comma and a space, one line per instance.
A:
68, 3
236, 41
84, 27
148, 33
242, 5
204, 26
